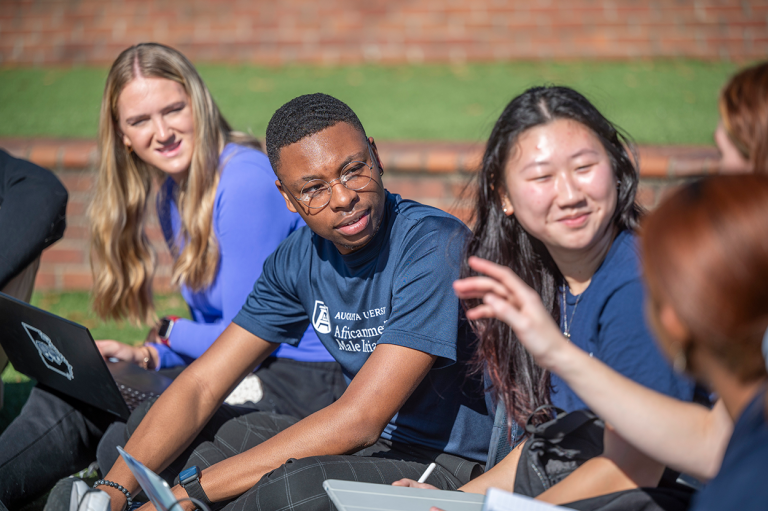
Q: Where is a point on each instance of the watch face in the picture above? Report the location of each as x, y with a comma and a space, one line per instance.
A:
189, 474
165, 325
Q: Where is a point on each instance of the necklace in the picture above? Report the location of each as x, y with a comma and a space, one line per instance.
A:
566, 326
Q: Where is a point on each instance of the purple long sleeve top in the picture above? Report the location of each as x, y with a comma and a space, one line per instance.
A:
250, 221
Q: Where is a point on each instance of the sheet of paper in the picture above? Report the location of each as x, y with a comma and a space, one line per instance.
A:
500, 500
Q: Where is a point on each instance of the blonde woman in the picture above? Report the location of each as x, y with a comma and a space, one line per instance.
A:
221, 216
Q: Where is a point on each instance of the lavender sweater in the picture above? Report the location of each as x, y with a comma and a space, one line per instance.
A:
250, 221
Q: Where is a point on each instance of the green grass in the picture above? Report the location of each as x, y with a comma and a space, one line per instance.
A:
76, 307
659, 102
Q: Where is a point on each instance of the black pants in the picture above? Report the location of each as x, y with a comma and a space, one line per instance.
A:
297, 485
55, 436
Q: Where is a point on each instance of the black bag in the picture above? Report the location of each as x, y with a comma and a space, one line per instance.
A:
558, 447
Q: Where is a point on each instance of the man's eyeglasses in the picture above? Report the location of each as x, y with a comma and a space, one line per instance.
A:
355, 175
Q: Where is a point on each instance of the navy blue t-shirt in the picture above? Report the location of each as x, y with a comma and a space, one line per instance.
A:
395, 290
609, 323
740, 484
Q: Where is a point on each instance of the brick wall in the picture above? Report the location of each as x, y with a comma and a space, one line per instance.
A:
344, 31
432, 173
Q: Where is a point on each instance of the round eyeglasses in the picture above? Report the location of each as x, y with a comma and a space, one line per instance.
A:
355, 175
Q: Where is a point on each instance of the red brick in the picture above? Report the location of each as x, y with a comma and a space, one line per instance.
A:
78, 181
409, 161
654, 166
76, 232
75, 208
442, 161
56, 255
45, 280
62, 32
77, 280
45, 154
78, 155
471, 161
162, 284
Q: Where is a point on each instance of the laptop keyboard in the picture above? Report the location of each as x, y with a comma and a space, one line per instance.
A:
133, 397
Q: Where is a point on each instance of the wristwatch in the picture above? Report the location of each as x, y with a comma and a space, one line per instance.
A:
164, 330
190, 481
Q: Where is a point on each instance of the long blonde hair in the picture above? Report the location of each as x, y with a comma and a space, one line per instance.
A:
123, 260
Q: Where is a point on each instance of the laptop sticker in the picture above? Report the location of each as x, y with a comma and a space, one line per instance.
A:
52, 357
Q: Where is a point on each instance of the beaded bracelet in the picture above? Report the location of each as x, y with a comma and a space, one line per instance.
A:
104, 482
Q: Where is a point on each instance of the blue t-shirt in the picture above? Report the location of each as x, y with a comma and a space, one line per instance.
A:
249, 220
609, 323
395, 290
740, 484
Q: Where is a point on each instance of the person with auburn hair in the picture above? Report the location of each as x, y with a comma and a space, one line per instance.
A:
221, 217
742, 133
705, 263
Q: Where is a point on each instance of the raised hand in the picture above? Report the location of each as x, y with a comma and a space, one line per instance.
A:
507, 298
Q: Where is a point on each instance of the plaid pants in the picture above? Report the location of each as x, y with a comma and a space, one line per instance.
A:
297, 485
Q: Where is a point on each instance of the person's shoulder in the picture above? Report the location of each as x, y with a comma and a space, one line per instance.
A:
242, 164
622, 264
418, 218
296, 246
740, 481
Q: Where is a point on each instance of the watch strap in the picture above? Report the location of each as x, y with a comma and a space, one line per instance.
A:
195, 490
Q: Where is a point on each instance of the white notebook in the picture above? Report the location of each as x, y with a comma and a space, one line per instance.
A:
356, 496
500, 500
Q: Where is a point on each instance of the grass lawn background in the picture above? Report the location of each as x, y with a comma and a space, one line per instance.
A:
656, 102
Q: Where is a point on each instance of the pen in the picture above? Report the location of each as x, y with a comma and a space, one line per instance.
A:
426, 473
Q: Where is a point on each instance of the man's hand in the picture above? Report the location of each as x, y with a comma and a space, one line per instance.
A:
410, 483
181, 495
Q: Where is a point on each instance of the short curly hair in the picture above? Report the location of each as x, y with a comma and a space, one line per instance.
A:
304, 116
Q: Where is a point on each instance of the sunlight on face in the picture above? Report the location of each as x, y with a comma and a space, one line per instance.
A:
352, 217
561, 186
156, 121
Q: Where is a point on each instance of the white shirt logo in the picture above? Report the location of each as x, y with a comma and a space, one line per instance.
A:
321, 320
52, 357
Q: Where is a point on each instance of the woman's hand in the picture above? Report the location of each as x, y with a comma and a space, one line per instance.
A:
507, 298
133, 354
410, 483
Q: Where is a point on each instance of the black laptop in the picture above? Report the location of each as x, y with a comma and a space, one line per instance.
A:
62, 355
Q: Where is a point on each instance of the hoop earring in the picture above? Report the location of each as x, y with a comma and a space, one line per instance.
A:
130, 149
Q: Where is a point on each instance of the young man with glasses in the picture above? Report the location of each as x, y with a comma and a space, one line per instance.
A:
372, 273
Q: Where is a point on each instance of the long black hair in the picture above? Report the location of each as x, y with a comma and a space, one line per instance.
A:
514, 377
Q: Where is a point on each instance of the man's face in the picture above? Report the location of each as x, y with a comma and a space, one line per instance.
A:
351, 218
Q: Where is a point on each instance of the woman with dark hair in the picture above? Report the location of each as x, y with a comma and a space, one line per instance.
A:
684, 436
705, 263
556, 204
